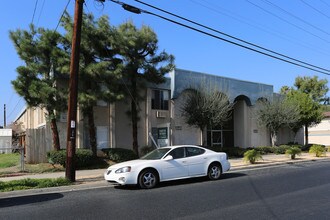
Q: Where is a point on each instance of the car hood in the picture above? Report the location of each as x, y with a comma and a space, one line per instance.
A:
130, 163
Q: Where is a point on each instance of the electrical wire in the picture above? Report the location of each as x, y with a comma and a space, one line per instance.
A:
138, 11
59, 21
232, 37
42, 8
34, 11
213, 7
296, 17
315, 9
288, 22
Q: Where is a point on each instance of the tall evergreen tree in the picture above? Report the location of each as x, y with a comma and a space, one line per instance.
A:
138, 50
45, 62
99, 70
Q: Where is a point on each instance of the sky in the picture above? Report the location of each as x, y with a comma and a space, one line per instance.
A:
299, 29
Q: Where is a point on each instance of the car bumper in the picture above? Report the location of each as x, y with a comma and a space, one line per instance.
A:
120, 178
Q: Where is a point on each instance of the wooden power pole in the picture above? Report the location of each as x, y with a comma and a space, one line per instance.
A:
70, 171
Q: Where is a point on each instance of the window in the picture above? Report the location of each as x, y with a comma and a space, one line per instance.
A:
194, 151
177, 153
160, 99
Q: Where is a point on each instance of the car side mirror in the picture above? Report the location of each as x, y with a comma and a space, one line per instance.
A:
168, 158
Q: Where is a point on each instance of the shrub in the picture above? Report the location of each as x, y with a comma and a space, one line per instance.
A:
84, 158
252, 156
230, 151
119, 154
318, 150
146, 149
266, 149
293, 151
281, 149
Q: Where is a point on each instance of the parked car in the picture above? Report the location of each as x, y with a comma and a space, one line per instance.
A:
169, 163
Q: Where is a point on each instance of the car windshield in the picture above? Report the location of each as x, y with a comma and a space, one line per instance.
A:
156, 154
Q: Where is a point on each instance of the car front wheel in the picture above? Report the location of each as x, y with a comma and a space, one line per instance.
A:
148, 179
214, 171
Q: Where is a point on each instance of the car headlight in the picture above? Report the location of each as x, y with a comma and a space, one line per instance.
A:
123, 170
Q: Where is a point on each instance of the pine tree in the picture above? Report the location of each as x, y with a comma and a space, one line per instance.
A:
99, 70
45, 60
141, 63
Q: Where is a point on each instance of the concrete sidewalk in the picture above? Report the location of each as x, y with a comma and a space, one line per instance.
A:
84, 176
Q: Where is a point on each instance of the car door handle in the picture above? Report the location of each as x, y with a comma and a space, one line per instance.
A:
184, 161
205, 158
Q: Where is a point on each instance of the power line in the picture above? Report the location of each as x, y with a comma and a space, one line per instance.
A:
296, 17
286, 21
315, 9
59, 21
232, 37
34, 11
42, 8
139, 11
239, 18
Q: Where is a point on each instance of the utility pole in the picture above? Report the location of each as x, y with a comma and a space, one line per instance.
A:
70, 171
4, 116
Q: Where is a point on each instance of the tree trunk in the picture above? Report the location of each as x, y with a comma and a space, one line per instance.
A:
56, 139
135, 128
92, 132
134, 115
306, 134
273, 136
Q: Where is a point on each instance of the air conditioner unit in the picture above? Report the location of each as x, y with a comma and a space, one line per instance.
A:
160, 114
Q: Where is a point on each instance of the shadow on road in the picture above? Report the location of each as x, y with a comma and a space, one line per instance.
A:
184, 181
23, 200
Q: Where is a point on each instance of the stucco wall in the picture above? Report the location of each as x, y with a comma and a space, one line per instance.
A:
320, 134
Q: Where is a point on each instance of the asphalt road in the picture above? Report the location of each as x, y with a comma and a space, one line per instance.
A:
296, 191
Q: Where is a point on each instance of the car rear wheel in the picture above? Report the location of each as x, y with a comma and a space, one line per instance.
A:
148, 179
214, 171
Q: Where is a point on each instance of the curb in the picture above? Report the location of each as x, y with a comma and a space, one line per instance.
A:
97, 181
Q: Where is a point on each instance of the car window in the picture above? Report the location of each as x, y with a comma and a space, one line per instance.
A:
177, 153
194, 151
155, 154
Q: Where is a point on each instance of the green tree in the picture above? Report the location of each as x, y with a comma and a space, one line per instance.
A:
141, 63
310, 112
276, 114
99, 70
45, 62
316, 88
308, 92
204, 109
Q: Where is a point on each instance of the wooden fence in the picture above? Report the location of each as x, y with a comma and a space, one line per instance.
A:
38, 143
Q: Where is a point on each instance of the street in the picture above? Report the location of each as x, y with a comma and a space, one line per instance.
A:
291, 191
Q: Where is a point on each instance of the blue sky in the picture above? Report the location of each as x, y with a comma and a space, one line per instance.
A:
296, 28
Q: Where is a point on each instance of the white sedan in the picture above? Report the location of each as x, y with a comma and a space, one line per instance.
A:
169, 163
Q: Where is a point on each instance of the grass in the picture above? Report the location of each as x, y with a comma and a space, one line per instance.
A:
9, 160
32, 184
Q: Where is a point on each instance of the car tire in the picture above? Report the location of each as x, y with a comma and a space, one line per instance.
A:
214, 171
148, 179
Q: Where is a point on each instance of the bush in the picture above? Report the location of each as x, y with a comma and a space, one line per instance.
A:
318, 150
119, 154
266, 149
84, 158
281, 149
252, 156
293, 151
230, 151
146, 149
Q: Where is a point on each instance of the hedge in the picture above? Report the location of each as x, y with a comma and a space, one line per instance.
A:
119, 154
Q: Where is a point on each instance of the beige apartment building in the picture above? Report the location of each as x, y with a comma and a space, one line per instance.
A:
161, 117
